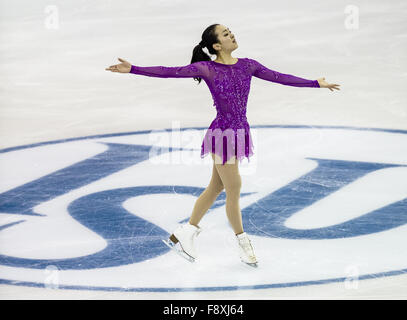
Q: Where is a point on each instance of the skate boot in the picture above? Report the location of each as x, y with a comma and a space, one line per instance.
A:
182, 241
246, 250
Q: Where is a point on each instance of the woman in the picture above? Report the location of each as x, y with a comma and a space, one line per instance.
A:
228, 138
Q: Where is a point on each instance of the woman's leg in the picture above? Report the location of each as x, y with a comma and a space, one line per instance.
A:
207, 197
232, 182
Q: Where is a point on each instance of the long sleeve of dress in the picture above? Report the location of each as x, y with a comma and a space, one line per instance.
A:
264, 73
194, 70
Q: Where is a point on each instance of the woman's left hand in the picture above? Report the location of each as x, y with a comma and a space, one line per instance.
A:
330, 86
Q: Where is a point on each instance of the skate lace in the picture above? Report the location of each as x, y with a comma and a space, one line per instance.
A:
247, 247
197, 232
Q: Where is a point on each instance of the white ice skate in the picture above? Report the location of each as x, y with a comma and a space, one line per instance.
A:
182, 241
246, 250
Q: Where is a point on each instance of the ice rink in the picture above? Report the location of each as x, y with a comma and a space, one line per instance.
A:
97, 167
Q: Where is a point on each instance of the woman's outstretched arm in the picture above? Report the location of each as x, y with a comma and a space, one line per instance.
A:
260, 71
264, 73
193, 70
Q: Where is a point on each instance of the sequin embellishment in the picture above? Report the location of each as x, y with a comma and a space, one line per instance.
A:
229, 133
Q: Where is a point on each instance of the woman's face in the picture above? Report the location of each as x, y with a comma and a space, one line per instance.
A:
227, 41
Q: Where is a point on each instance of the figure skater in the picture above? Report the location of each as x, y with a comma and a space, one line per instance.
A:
228, 138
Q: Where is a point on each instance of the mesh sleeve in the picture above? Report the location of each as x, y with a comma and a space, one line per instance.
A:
194, 70
264, 73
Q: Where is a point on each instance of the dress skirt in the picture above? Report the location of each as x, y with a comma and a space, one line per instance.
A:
228, 142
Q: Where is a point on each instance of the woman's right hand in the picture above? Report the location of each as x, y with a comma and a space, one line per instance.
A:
123, 67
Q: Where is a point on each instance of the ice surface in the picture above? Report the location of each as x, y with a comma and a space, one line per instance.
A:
54, 86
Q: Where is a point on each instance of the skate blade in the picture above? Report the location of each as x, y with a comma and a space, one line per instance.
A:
183, 254
254, 265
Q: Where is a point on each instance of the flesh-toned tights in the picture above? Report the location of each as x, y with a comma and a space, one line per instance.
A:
226, 177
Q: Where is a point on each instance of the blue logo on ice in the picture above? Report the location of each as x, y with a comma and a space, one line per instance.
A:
132, 239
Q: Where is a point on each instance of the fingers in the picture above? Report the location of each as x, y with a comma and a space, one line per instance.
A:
330, 86
333, 86
112, 68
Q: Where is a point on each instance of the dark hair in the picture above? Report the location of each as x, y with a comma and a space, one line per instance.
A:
208, 39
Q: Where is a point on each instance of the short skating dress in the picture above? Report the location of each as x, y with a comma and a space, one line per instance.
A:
229, 133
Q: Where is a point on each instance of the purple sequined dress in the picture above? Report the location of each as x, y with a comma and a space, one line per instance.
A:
229, 133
